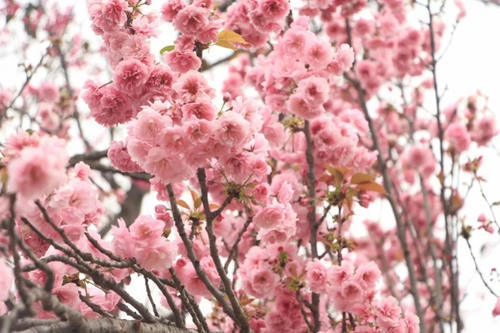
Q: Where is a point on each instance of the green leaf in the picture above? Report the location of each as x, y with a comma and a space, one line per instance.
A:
167, 48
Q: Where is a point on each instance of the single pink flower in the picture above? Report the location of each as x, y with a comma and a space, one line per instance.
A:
191, 19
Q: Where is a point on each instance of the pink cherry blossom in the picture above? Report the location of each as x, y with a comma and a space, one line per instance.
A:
130, 76
191, 19
37, 171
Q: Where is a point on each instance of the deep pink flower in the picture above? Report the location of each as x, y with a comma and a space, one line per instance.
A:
191, 20
274, 9
114, 107
130, 75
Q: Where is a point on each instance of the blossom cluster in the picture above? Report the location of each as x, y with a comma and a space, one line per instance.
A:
197, 24
255, 20
137, 79
144, 241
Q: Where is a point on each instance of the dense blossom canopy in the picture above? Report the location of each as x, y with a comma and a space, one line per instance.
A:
326, 108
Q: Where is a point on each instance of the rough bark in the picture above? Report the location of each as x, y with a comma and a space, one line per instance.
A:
101, 325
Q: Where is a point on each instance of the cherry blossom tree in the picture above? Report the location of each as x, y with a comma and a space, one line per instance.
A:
264, 177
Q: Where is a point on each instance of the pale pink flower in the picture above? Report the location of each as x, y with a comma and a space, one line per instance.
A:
314, 89
345, 56
106, 300
262, 282
174, 140
261, 192
421, 158
146, 229
38, 170
167, 167
279, 233
199, 130
293, 43
138, 150
338, 274
351, 290
298, 105
269, 216
149, 126
232, 129
316, 276
82, 171
192, 85
73, 201
190, 279
318, 54
412, 322
182, 61
388, 308
158, 254
161, 213
130, 76
368, 274
276, 322
209, 34
365, 70
200, 110
458, 136
484, 130
92, 94
123, 243
120, 158
48, 92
